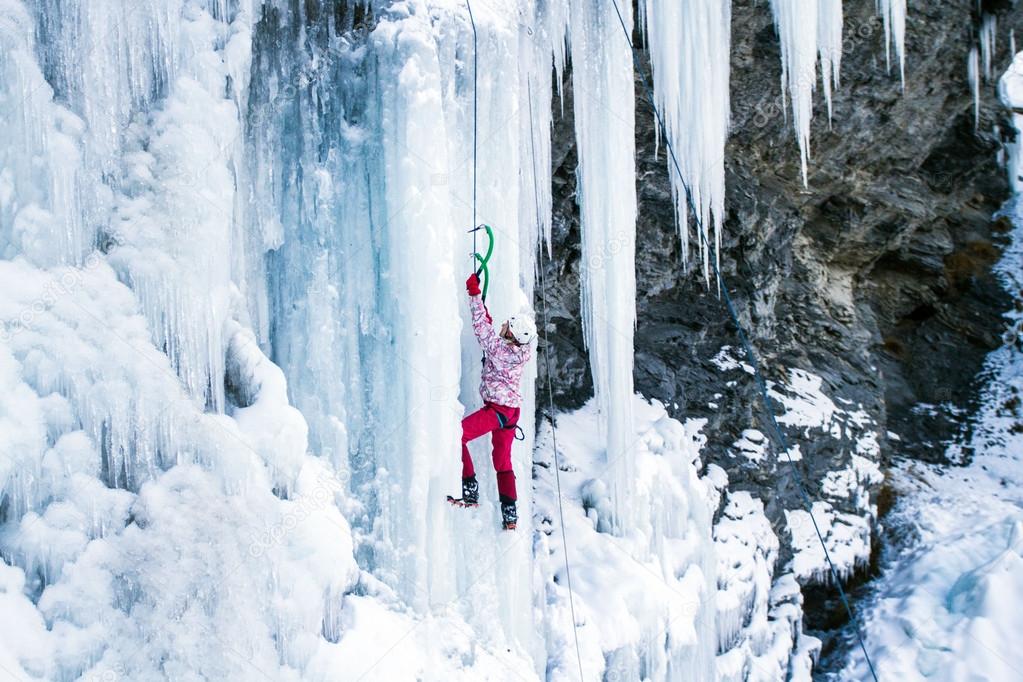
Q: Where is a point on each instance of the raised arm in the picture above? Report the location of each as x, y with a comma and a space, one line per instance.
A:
481, 323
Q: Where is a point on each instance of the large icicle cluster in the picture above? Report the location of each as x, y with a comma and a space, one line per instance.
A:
811, 30
602, 80
806, 29
131, 505
690, 49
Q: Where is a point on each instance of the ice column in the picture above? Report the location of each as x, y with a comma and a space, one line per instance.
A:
973, 76
689, 53
602, 78
366, 208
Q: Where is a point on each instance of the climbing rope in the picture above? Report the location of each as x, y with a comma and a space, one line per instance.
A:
483, 260
751, 356
475, 90
550, 388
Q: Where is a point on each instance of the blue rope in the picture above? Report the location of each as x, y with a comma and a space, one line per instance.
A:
751, 356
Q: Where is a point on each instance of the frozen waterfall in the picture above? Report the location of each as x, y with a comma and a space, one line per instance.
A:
235, 345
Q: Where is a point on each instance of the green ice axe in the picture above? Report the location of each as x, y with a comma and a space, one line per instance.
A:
483, 260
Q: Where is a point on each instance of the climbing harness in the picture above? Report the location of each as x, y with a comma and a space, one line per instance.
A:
744, 339
502, 422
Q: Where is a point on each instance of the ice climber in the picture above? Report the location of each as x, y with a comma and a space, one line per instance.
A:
506, 353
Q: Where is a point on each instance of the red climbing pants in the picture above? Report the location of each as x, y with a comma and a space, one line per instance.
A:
481, 422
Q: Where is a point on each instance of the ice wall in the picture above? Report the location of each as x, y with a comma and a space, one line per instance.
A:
134, 501
370, 206
690, 50
602, 81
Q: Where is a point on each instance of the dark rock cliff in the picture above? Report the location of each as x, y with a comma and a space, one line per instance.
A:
876, 276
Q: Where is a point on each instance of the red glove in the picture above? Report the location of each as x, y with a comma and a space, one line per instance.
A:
472, 285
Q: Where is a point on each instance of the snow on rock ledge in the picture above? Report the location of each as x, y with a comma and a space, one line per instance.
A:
759, 625
845, 516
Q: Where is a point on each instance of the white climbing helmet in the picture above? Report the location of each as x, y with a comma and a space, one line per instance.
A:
522, 327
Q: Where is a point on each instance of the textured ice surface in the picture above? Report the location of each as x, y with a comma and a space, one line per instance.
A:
759, 615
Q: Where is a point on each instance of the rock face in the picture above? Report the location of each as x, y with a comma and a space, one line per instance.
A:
875, 277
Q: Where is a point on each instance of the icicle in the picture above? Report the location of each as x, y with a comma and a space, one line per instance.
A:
602, 76
893, 13
829, 44
689, 54
988, 36
797, 26
547, 40
973, 75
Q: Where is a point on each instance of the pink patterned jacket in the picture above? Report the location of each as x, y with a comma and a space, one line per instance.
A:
503, 363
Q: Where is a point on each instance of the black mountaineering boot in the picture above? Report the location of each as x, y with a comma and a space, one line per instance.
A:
470, 494
509, 516
470, 491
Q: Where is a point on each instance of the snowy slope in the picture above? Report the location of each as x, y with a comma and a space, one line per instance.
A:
947, 608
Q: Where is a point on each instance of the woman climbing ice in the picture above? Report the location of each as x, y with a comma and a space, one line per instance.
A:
505, 355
